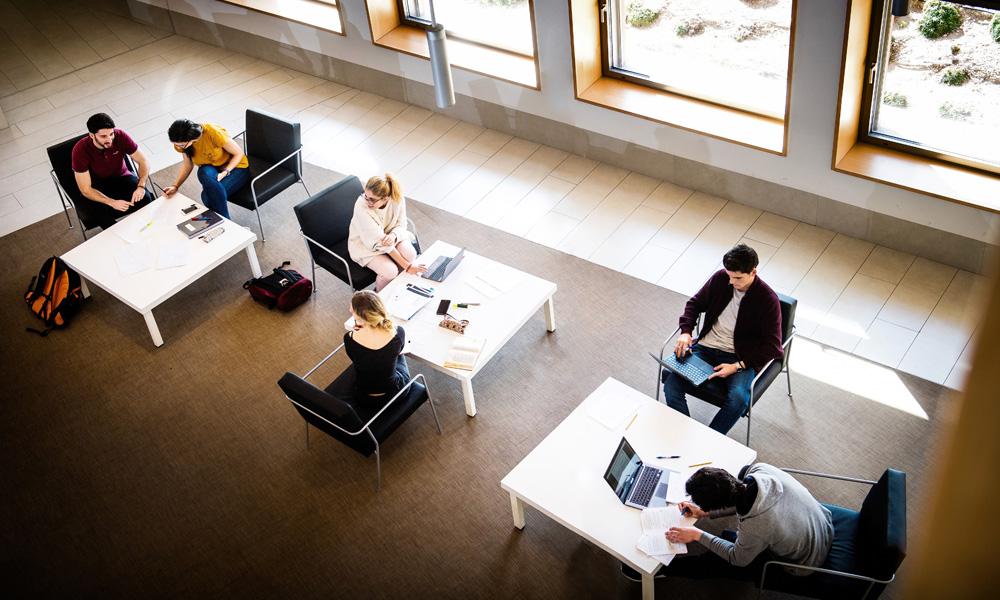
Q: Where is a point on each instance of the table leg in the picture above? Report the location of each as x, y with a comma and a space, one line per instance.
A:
550, 314
154, 331
252, 257
83, 288
647, 587
517, 507
470, 400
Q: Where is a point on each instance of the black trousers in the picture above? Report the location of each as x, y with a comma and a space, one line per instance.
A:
117, 188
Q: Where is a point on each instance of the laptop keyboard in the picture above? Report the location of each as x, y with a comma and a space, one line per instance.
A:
690, 371
439, 271
646, 485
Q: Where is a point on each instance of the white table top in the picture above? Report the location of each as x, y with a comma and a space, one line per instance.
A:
95, 258
563, 477
507, 297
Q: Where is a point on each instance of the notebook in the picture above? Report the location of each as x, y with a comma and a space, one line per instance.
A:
199, 223
464, 353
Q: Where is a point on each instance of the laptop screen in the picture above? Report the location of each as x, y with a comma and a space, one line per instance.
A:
622, 471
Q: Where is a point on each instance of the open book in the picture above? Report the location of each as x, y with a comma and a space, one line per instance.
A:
464, 353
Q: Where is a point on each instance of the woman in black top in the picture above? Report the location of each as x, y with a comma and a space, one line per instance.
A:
375, 347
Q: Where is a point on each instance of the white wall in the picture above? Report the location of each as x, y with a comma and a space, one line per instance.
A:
818, 47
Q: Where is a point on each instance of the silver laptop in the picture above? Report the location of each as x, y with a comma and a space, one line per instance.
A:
443, 266
635, 484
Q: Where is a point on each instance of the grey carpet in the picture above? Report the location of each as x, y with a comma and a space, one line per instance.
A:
135, 471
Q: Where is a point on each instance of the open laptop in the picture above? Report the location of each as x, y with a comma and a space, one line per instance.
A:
689, 366
635, 484
443, 266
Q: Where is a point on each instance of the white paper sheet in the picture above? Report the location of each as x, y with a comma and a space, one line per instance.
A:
135, 229
655, 523
612, 411
135, 258
405, 304
175, 253
482, 287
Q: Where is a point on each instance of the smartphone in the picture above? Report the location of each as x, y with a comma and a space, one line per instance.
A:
443, 307
189, 209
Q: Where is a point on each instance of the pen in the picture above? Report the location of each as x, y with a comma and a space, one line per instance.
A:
632, 421
422, 289
674, 456
467, 304
700, 464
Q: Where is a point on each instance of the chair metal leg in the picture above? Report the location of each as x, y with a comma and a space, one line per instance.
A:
378, 462
788, 378
748, 430
256, 209
659, 382
304, 187
307, 434
430, 400
312, 264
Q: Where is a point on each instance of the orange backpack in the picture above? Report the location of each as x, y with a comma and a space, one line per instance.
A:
54, 295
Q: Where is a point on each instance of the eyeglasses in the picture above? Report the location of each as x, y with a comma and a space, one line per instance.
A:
372, 199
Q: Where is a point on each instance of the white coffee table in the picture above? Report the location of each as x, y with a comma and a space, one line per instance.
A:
563, 477
95, 260
507, 299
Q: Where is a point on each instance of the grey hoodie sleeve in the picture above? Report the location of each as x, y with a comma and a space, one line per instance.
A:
740, 554
722, 512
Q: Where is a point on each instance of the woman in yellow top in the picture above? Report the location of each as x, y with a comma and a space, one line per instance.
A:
222, 166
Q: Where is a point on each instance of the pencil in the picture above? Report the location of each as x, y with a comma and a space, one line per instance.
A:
632, 421
700, 464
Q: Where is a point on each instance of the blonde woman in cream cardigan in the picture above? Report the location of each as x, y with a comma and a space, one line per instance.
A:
378, 238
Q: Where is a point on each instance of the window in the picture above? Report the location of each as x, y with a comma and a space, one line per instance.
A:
502, 24
933, 85
729, 52
323, 14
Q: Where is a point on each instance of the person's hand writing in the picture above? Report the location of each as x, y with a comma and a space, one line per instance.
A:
683, 345
388, 240
724, 370
120, 205
138, 194
683, 535
692, 510
416, 269
170, 190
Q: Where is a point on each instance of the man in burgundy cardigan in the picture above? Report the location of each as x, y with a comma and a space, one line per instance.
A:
740, 334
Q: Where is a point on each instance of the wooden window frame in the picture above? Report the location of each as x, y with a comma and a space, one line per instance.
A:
878, 41
389, 29
270, 8
852, 155
615, 73
718, 121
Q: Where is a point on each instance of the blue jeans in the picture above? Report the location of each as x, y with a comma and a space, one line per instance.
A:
215, 193
734, 390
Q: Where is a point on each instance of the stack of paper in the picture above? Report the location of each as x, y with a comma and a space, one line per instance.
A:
611, 411
135, 258
655, 524
464, 353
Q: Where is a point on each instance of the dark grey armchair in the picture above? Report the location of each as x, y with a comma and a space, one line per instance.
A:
273, 146
360, 426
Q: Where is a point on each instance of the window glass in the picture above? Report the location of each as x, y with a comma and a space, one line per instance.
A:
936, 81
504, 24
732, 52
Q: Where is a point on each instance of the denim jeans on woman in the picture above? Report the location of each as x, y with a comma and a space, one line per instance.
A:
215, 193
735, 389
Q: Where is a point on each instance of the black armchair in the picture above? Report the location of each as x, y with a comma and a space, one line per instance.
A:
868, 546
273, 147
360, 427
61, 159
762, 380
324, 221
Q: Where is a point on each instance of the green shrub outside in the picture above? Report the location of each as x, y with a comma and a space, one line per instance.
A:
995, 27
639, 15
954, 76
939, 19
894, 99
955, 112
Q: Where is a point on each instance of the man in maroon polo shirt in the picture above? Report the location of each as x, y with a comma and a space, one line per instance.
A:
103, 177
740, 334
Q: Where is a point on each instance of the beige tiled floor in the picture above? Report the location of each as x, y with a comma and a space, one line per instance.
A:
886, 306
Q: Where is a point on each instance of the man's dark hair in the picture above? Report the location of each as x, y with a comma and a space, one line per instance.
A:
740, 259
100, 121
712, 488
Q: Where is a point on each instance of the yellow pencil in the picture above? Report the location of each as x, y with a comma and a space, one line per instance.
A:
632, 421
700, 464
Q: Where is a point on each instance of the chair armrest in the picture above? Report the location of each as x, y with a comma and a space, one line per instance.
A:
347, 267
272, 167
828, 476
59, 186
667, 341
398, 395
320, 363
779, 563
412, 225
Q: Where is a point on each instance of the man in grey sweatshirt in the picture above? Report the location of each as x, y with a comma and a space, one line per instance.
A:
777, 519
